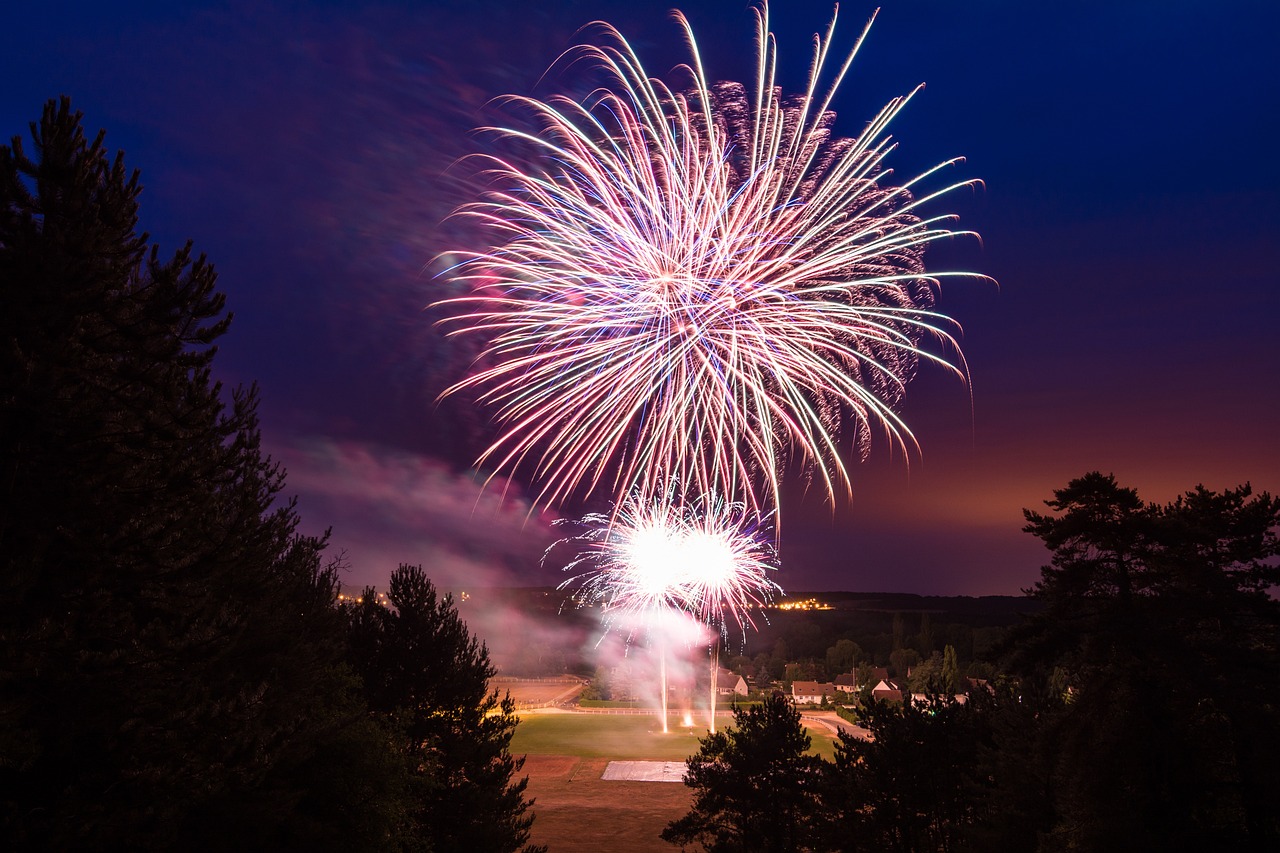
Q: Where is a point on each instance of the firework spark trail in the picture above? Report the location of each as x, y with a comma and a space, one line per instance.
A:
728, 563
697, 283
654, 558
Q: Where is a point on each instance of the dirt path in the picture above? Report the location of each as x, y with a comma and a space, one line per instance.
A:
534, 692
578, 812
834, 723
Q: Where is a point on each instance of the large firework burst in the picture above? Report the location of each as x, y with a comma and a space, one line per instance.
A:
695, 282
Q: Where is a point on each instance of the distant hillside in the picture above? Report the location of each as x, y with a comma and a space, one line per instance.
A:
989, 609
984, 609
536, 630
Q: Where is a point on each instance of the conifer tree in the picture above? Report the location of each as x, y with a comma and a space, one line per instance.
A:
755, 788
169, 650
908, 785
1160, 625
426, 678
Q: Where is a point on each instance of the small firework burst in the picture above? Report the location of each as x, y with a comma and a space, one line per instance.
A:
653, 556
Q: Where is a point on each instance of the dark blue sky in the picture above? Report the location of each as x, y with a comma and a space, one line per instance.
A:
1130, 214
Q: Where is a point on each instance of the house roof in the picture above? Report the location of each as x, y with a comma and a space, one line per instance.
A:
812, 688
887, 689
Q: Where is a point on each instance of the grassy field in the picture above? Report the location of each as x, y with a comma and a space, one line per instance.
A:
623, 737
577, 811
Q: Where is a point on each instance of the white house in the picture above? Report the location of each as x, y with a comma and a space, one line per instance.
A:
886, 689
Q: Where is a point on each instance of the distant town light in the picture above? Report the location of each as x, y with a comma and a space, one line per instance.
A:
803, 604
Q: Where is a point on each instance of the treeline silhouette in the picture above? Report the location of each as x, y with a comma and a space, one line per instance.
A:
1138, 709
175, 671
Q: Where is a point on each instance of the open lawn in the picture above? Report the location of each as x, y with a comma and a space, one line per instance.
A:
625, 737
621, 736
577, 811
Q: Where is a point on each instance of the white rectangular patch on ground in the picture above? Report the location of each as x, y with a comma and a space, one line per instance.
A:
644, 771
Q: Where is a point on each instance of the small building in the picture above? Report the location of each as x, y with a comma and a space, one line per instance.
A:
812, 692
730, 683
847, 682
887, 690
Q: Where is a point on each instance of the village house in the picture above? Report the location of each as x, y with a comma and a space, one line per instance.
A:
887, 689
812, 692
894, 691
730, 684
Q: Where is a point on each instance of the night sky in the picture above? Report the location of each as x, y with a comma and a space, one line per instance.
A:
1130, 214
